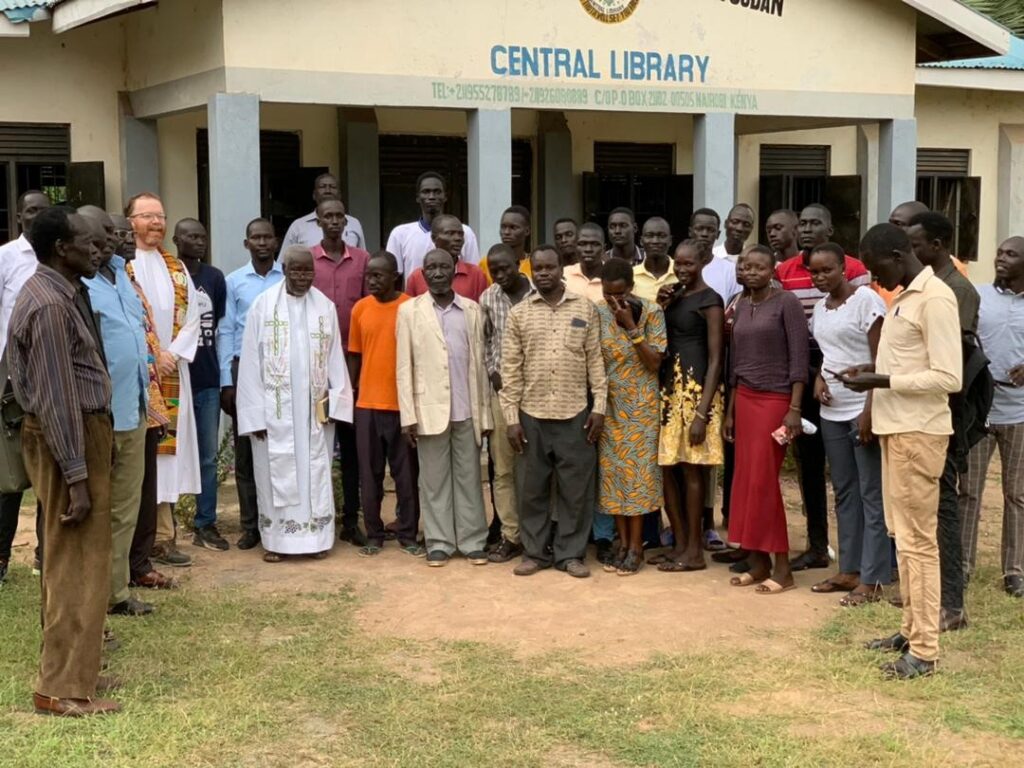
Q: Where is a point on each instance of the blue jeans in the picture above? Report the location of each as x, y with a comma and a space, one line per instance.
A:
864, 543
206, 404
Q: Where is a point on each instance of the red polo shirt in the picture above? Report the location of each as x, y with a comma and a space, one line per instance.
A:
342, 282
469, 281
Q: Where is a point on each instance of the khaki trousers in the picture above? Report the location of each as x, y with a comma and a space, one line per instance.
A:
164, 523
451, 497
76, 562
506, 501
125, 496
912, 464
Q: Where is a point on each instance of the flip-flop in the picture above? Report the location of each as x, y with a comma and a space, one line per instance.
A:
828, 585
713, 542
678, 566
772, 587
744, 580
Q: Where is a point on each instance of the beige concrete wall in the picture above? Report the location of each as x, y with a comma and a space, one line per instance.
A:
959, 119
173, 39
71, 78
317, 126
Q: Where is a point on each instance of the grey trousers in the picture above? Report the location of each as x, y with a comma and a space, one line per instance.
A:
451, 495
556, 451
857, 481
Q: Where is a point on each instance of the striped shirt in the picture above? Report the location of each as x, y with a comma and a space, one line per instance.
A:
496, 305
550, 354
794, 276
56, 366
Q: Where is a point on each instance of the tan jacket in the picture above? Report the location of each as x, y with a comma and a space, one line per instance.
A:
424, 394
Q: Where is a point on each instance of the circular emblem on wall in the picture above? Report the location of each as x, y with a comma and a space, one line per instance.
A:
610, 11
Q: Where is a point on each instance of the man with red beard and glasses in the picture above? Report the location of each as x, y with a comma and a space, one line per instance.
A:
168, 288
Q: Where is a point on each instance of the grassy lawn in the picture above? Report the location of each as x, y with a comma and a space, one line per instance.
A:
226, 678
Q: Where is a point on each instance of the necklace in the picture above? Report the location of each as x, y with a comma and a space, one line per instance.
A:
755, 304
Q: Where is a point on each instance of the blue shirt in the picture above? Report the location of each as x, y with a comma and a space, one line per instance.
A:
244, 285
1001, 333
122, 329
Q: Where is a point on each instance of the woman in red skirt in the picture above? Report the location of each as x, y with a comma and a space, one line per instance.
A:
769, 371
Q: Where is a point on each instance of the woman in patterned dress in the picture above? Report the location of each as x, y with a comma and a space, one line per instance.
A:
633, 343
691, 402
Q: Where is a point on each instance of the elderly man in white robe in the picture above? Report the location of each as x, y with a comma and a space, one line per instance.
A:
172, 295
292, 386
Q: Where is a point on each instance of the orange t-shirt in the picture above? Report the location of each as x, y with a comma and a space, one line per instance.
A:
372, 335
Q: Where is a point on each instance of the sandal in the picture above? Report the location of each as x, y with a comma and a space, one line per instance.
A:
857, 599
664, 557
272, 557
630, 564
830, 585
369, 550
678, 566
744, 580
713, 542
772, 587
730, 556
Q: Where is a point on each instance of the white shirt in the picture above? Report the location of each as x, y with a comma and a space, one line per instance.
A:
305, 231
842, 334
18, 263
719, 252
720, 275
411, 242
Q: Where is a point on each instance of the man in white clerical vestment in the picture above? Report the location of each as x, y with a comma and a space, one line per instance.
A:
292, 386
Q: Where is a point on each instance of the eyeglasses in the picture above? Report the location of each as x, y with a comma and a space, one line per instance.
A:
149, 216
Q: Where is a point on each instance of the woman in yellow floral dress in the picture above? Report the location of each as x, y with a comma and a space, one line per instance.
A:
691, 417
633, 343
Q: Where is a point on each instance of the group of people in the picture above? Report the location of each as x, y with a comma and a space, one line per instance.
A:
608, 380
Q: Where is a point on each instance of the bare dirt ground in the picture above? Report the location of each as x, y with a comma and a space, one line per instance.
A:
399, 596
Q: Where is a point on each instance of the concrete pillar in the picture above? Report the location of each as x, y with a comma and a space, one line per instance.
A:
234, 130
867, 169
361, 169
490, 172
558, 195
1010, 217
714, 161
897, 165
140, 155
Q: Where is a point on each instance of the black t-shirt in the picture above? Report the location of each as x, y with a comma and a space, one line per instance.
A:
687, 331
212, 292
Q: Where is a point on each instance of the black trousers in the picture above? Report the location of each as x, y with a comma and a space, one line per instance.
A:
382, 444
348, 447
10, 507
139, 563
951, 556
556, 451
810, 459
245, 476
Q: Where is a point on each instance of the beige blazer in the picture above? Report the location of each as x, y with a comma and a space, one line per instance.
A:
424, 395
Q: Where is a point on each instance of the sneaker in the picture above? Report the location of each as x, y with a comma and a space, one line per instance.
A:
437, 558
4, 565
413, 548
248, 540
477, 557
353, 536
208, 536
37, 566
168, 554
576, 569
505, 551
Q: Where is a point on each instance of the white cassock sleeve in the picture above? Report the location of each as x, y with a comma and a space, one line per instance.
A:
339, 390
185, 344
250, 394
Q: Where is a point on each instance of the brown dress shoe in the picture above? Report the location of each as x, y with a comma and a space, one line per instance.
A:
48, 705
155, 580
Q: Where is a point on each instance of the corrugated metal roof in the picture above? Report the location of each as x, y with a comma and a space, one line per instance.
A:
18, 11
1014, 60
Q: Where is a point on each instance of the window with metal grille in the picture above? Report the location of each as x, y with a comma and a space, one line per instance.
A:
943, 184
795, 159
625, 157
32, 156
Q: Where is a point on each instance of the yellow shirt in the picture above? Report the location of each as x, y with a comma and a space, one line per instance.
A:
524, 268
577, 282
646, 285
920, 352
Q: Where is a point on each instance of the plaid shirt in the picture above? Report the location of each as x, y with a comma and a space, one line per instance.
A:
496, 305
552, 355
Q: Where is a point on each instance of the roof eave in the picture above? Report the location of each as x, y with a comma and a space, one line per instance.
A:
967, 22
1007, 80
